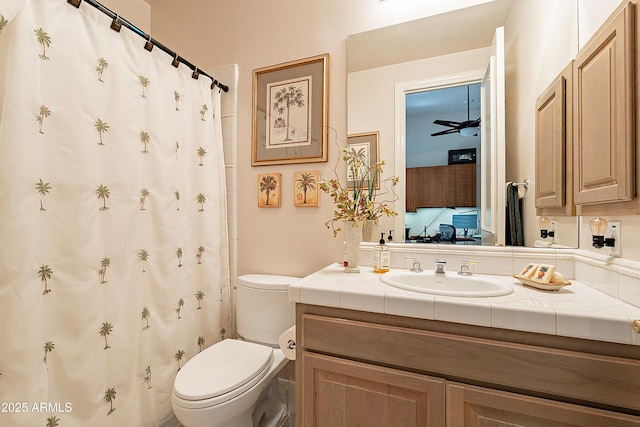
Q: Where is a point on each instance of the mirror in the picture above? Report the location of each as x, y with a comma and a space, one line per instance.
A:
434, 49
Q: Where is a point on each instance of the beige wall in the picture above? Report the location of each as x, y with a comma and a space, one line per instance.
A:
539, 43
257, 34
252, 34
541, 38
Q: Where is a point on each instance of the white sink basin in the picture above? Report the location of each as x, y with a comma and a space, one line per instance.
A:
449, 284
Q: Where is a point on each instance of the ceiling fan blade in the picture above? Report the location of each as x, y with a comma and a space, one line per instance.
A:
457, 127
446, 123
471, 123
445, 132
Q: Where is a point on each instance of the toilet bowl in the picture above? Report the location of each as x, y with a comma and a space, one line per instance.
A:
224, 383
233, 383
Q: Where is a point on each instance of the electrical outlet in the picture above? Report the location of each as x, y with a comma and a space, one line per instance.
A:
614, 230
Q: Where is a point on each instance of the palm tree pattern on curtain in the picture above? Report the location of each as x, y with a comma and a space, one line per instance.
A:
124, 259
3, 22
43, 189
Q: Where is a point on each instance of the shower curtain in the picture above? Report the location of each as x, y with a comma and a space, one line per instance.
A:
113, 238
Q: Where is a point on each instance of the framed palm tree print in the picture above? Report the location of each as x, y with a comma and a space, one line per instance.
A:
290, 112
305, 193
269, 186
364, 145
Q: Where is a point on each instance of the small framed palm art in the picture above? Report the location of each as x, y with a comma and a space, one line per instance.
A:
305, 193
269, 186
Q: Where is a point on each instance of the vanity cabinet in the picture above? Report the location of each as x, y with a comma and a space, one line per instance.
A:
477, 406
605, 108
440, 186
360, 368
554, 155
350, 393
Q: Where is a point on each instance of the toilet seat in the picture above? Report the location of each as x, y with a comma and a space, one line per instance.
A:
220, 373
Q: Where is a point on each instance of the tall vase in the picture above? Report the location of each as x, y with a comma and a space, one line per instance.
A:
353, 237
370, 231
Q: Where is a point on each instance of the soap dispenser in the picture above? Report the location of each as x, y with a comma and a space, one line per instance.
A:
381, 257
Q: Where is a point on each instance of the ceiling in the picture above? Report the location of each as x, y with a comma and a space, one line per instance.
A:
442, 101
450, 104
425, 38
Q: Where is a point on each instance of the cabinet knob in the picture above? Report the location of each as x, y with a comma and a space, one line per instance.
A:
636, 326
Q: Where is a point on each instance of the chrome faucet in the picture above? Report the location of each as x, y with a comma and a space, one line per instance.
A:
416, 268
465, 270
440, 263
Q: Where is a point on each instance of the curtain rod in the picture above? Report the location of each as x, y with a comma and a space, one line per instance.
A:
118, 21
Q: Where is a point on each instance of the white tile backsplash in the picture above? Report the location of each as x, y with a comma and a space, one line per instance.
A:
629, 288
486, 263
566, 266
604, 280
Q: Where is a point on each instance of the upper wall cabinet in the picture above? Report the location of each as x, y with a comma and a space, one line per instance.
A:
554, 158
604, 112
437, 186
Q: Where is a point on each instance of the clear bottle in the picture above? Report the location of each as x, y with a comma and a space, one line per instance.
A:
381, 257
345, 258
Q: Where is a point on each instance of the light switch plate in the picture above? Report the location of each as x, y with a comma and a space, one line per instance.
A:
554, 226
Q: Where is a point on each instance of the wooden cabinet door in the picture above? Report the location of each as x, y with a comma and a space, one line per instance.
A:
425, 187
339, 393
461, 185
554, 147
434, 183
476, 406
441, 186
411, 189
604, 101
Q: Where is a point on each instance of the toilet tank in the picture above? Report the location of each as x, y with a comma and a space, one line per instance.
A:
263, 309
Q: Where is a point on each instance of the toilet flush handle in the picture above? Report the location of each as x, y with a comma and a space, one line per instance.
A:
291, 344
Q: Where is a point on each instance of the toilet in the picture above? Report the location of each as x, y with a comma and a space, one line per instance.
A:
233, 383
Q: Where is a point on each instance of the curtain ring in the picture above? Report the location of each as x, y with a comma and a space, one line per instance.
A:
148, 45
176, 61
195, 74
116, 25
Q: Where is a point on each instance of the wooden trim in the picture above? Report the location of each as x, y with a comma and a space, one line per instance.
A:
572, 376
508, 335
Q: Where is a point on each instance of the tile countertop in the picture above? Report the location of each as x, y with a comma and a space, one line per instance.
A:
574, 311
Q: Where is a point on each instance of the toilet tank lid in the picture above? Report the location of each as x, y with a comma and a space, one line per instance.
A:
267, 281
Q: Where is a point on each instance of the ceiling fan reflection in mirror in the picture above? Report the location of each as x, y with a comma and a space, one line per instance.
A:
466, 128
